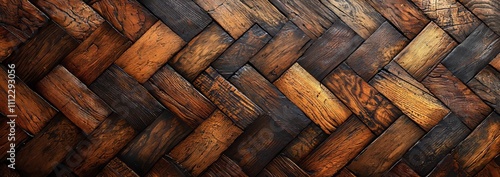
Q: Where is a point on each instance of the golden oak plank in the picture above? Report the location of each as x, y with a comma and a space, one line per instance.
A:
150, 52
364, 101
234, 16
266, 15
201, 51
224, 167
75, 16
420, 106
77, 102
204, 146
357, 14
491, 169
127, 16
6, 134
32, 18
496, 62
318, 61
422, 54
305, 142
42, 154
396, 69
313, 98
401, 169
338, 149
377, 51
403, 14
96, 53
166, 167
238, 107
486, 84
282, 167
487, 11
116, 168
281, 52
179, 96
8, 43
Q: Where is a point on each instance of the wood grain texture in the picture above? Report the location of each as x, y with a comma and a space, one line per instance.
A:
357, 14
8, 43
20, 136
395, 69
486, 84
166, 167
304, 143
116, 168
150, 52
224, 167
345, 173
422, 55
313, 98
318, 61
487, 11
496, 62
365, 102
281, 52
448, 167
266, 15
21, 18
234, 16
491, 169
201, 51
96, 53
283, 166
401, 169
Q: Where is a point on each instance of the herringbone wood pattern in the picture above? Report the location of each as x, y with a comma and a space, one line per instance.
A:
252, 87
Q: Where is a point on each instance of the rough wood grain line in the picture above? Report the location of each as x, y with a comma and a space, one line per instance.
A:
318, 61
150, 145
487, 11
241, 51
234, 16
448, 167
8, 43
486, 84
387, 149
42, 154
403, 14
238, 107
473, 54
128, 98
283, 166
313, 98
396, 69
305, 142
345, 173
224, 167
422, 55
496, 62
93, 153
312, 17
457, 96
5, 127
41, 53
21, 18
77, 102
184, 17
491, 169
434, 146
281, 52
450, 15
179, 96
204, 146
32, 111
116, 168
363, 100
270, 99
75, 16
96, 53
421, 107
357, 14
338, 149
167, 167
127, 16
201, 51
150, 52
266, 15
401, 169
377, 51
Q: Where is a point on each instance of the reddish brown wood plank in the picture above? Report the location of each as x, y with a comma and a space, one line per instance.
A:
487, 11
234, 16
8, 43
166, 167
345, 173
224, 167
6, 133
486, 84
8, 172
150, 52
21, 18
401, 169
491, 169
266, 15
116, 168
305, 142
496, 62
283, 166
448, 167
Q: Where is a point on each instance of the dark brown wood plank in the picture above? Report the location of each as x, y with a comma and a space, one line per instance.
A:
21, 18
224, 167
396, 69
5, 132
401, 169
166, 167
448, 167
266, 15
491, 169
234, 16
487, 11
8, 172
305, 142
486, 84
283, 166
345, 173
8, 43
116, 168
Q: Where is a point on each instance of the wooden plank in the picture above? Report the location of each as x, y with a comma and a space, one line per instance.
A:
403, 14
166, 167
305, 142
448, 167
491, 169
318, 61
150, 52
116, 168
401, 169
179, 96
48, 148
396, 69
150, 145
387, 149
283, 166
8, 43
238, 107
357, 14
313, 98
487, 11
75, 16
8, 172
338, 149
422, 54
204, 146
420, 106
201, 51
450, 15
224, 167
266, 15
377, 51
12, 11
457, 96
6, 131
486, 84
41, 53
496, 62
184, 17
127, 16
364, 101
241, 51
434, 146
281, 52
234, 16
473, 54
77, 102
345, 173
128, 98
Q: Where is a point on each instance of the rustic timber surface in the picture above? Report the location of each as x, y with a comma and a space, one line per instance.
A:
252, 87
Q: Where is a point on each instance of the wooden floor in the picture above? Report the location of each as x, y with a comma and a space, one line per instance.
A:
252, 87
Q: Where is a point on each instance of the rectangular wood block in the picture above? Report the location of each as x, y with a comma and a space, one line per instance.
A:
486, 84
266, 15
234, 16
305, 142
12, 11
8, 43
283, 166
485, 10
224, 167
116, 168
166, 166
